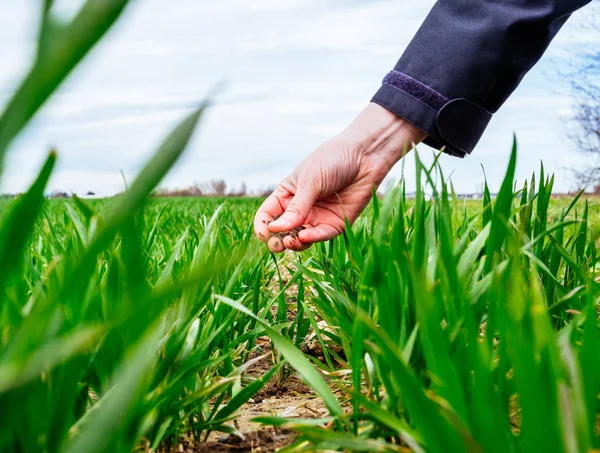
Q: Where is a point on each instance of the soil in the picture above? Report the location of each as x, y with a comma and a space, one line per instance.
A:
264, 440
290, 398
282, 234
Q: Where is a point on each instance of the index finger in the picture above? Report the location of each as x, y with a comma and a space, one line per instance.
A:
269, 209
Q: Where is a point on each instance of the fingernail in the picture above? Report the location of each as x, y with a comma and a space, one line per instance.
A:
280, 223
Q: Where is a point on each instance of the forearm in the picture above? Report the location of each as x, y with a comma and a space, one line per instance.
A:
464, 62
380, 134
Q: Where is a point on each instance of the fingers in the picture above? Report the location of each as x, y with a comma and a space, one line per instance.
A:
292, 212
276, 245
319, 233
296, 212
292, 242
270, 208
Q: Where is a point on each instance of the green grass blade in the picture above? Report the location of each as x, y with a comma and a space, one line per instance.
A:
105, 426
61, 48
18, 224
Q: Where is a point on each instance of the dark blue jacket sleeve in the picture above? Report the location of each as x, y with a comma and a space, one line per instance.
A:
465, 61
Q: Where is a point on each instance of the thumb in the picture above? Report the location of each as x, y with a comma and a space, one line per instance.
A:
296, 212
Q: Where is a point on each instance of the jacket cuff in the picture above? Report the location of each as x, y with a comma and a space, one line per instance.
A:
453, 125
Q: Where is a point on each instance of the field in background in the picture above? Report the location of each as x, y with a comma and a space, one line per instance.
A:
248, 205
182, 211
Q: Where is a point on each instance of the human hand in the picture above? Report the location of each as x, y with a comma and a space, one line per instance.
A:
335, 181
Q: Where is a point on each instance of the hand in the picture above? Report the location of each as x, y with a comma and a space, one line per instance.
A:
335, 181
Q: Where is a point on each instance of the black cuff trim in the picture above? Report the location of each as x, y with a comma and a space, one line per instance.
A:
454, 125
462, 123
415, 112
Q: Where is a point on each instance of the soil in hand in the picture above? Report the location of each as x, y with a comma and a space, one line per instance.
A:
282, 234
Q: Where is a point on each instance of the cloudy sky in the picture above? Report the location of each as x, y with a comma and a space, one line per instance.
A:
296, 73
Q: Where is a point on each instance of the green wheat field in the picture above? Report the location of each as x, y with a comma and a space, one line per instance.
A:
135, 323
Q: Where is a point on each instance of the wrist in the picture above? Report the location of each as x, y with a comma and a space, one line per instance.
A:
382, 134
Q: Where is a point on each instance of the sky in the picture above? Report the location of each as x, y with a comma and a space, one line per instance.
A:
296, 72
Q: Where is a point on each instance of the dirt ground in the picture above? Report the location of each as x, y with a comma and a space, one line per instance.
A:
290, 398
263, 441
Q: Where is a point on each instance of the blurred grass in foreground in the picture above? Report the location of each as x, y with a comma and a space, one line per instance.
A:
97, 350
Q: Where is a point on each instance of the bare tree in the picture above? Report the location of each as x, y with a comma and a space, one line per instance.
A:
219, 187
196, 190
584, 130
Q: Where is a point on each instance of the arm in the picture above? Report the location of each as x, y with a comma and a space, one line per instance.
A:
465, 61
335, 181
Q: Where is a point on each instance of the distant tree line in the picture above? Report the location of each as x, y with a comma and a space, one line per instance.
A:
213, 188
